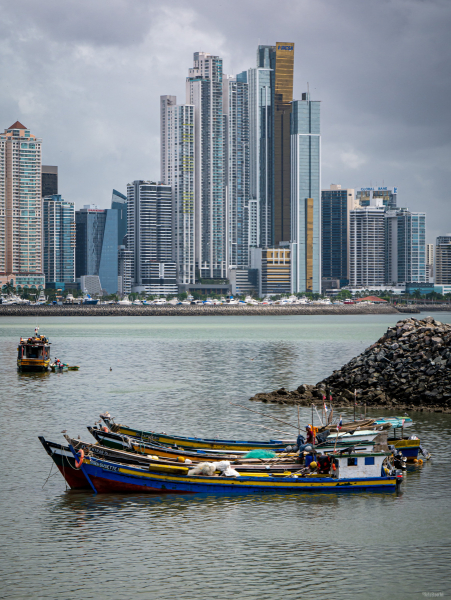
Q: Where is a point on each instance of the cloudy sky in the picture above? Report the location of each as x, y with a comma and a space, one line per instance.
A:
86, 77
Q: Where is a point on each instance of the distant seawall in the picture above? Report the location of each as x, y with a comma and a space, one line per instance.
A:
104, 310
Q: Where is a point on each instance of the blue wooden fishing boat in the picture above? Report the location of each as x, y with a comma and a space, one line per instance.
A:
194, 442
362, 472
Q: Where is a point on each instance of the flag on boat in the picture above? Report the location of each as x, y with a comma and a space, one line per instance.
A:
339, 424
325, 407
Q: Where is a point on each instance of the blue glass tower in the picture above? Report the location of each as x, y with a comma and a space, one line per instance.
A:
59, 241
97, 247
119, 203
335, 206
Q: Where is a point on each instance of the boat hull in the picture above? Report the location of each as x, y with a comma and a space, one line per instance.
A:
409, 448
32, 364
196, 443
109, 477
65, 461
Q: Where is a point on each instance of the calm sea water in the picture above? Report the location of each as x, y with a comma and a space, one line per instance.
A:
178, 374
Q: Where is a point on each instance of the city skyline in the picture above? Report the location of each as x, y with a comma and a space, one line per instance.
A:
379, 127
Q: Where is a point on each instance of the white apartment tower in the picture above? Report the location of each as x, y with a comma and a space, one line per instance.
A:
260, 150
20, 208
177, 171
204, 92
367, 246
149, 237
236, 120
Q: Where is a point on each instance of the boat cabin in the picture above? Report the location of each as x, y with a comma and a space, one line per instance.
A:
361, 464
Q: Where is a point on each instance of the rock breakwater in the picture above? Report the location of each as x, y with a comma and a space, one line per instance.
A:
104, 310
409, 367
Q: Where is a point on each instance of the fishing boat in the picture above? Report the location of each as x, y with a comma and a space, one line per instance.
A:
194, 442
60, 367
129, 444
363, 472
65, 461
33, 353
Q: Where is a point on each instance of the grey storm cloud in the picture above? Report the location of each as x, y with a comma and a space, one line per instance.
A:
86, 77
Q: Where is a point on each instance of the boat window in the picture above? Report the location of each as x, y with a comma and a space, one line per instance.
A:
352, 462
369, 460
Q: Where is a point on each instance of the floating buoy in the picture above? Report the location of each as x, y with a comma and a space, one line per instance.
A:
420, 461
78, 463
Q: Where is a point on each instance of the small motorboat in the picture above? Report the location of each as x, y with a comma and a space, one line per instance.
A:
59, 367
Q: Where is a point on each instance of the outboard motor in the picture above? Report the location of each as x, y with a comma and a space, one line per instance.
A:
399, 461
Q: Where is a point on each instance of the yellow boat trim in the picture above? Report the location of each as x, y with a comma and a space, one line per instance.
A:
239, 482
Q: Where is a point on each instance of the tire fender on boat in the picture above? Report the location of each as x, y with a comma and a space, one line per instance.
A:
78, 463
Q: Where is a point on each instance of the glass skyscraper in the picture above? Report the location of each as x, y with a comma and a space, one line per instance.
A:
260, 150
119, 203
177, 171
305, 196
204, 92
336, 204
96, 245
443, 259
236, 114
59, 241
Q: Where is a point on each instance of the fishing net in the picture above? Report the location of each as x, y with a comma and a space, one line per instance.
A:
260, 454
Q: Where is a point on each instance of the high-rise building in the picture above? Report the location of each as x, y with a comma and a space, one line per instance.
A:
274, 269
204, 92
305, 196
177, 171
388, 196
280, 58
405, 249
367, 246
149, 237
236, 119
49, 180
20, 208
96, 245
261, 137
430, 261
124, 271
336, 204
59, 241
443, 260
119, 203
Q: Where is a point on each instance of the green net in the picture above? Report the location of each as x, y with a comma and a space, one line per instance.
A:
260, 454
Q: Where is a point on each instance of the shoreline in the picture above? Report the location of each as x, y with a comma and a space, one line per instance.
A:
192, 310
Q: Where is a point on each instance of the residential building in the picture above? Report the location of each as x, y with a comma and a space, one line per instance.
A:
177, 171
261, 152
20, 208
96, 245
305, 196
336, 204
367, 246
443, 260
274, 269
149, 237
49, 180
430, 261
124, 283
119, 203
387, 195
405, 247
236, 120
204, 91
59, 241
